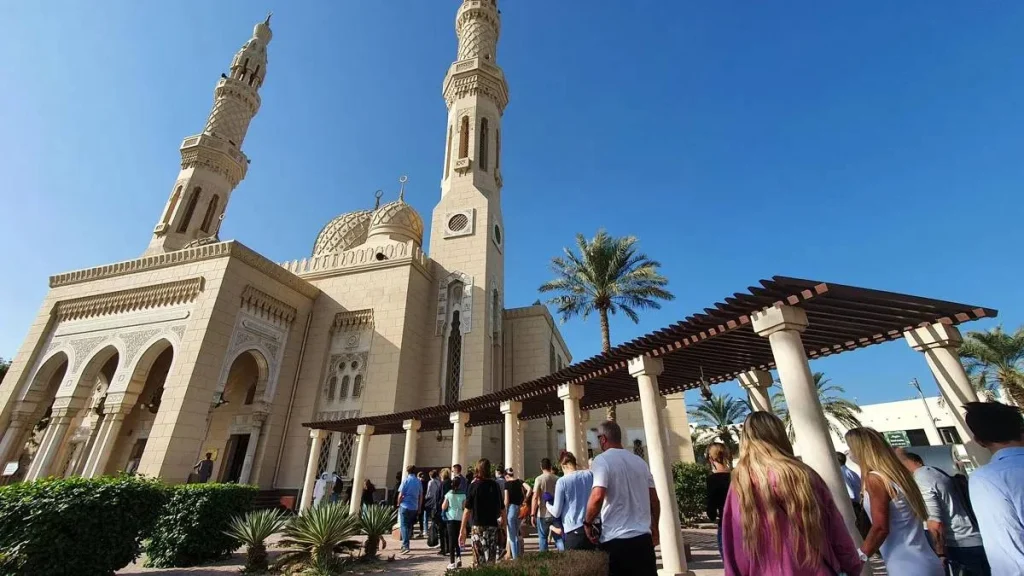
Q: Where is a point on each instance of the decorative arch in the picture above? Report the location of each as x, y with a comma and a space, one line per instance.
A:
482, 153
54, 367
70, 396
171, 205
464, 138
131, 381
190, 209
211, 211
260, 355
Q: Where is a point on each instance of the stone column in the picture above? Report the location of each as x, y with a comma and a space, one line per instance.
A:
520, 465
14, 436
52, 442
940, 344
412, 428
646, 370
574, 439
258, 418
364, 434
756, 383
459, 433
584, 461
782, 326
314, 456
511, 409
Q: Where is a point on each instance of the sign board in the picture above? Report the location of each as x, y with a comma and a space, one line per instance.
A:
10, 469
897, 439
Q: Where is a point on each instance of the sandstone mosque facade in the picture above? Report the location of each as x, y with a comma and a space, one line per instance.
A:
203, 345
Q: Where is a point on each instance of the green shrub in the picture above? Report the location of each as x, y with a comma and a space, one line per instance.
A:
569, 563
691, 482
76, 526
193, 524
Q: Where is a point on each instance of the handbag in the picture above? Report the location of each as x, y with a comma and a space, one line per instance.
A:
524, 511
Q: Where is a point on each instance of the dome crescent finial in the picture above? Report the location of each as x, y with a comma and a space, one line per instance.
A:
401, 192
378, 195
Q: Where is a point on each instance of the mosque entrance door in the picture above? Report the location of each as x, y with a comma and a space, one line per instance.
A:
238, 444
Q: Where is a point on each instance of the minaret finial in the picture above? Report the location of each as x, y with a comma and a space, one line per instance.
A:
401, 192
378, 194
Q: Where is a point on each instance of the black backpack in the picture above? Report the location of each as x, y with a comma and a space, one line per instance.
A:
961, 487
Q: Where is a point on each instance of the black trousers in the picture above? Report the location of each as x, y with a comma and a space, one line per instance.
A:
631, 556
577, 540
453, 539
442, 533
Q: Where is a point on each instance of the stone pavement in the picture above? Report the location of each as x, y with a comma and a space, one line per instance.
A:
428, 562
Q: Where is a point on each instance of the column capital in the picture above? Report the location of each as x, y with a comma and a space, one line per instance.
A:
933, 336
458, 417
317, 434
756, 379
413, 425
120, 402
511, 407
646, 366
570, 391
364, 430
777, 318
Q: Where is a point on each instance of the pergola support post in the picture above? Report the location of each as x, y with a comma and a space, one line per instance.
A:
940, 344
412, 428
782, 326
575, 440
364, 434
757, 383
309, 482
646, 371
511, 409
460, 434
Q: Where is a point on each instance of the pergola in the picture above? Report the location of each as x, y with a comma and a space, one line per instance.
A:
779, 324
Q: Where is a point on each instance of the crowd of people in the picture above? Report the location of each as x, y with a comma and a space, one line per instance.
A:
775, 514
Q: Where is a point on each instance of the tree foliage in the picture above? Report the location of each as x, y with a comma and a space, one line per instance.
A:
718, 415
996, 357
5, 365
840, 413
605, 275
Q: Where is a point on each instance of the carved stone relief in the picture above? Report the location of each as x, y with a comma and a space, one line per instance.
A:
466, 312
83, 347
134, 341
268, 336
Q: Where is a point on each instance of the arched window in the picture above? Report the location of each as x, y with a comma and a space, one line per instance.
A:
497, 150
357, 386
190, 209
332, 385
495, 311
254, 76
171, 205
343, 393
464, 138
211, 210
454, 365
448, 154
483, 144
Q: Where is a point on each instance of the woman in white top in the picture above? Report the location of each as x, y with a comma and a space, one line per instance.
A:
894, 503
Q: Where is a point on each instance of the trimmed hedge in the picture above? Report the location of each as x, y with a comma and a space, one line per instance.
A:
77, 526
569, 563
191, 528
691, 483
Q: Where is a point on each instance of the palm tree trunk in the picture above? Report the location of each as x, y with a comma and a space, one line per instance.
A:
1015, 393
606, 345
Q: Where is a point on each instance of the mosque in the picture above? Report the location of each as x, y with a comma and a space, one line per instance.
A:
202, 345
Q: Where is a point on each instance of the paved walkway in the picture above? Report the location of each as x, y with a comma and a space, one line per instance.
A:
428, 562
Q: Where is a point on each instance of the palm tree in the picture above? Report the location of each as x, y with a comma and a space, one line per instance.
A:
606, 275
838, 410
996, 357
252, 530
719, 413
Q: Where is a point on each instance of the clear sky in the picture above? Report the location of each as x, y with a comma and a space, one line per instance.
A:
875, 144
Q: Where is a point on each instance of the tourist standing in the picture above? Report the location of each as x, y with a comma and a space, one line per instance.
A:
452, 508
457, 473
432, 504
953, 531
446, 487
894, 504
410, 500
718, 484
484, 510
779, 517
421, 514
540, 514
366, 498
337, 488
204, 468
571, 494
997, 488
515, 493
623, 496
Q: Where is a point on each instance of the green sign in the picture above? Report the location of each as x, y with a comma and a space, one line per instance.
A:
897, 438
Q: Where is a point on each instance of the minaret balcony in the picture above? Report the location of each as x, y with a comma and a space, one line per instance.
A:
211, 142
216, 154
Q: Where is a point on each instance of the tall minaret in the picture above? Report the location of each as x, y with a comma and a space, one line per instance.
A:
467, 233
212, 163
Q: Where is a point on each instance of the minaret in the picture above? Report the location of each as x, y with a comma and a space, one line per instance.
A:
212, 163
467, 232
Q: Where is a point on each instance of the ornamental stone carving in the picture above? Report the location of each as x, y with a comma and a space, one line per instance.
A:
123, 301
83, 347
133, 343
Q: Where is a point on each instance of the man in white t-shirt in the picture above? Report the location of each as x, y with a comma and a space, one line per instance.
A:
624, 496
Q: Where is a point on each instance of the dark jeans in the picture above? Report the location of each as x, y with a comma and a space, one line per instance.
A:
631, 556
442, 533
968, 561
577, 540
453, 527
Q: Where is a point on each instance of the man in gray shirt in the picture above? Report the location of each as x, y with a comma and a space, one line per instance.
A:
953, 531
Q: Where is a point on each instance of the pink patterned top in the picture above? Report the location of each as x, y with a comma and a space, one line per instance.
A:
840, 557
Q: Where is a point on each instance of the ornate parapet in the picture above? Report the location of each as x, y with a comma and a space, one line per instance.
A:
360, 259
266, 307
123, 301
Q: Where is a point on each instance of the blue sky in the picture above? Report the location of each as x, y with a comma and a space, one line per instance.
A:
870, 144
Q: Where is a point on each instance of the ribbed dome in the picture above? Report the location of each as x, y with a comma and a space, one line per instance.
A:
343, 233
398, 221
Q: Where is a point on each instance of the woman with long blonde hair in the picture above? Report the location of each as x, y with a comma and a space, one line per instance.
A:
894, 504
779, 517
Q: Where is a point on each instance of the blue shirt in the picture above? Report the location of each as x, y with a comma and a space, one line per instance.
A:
572, 492
410, 491
852, 481
997, 495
